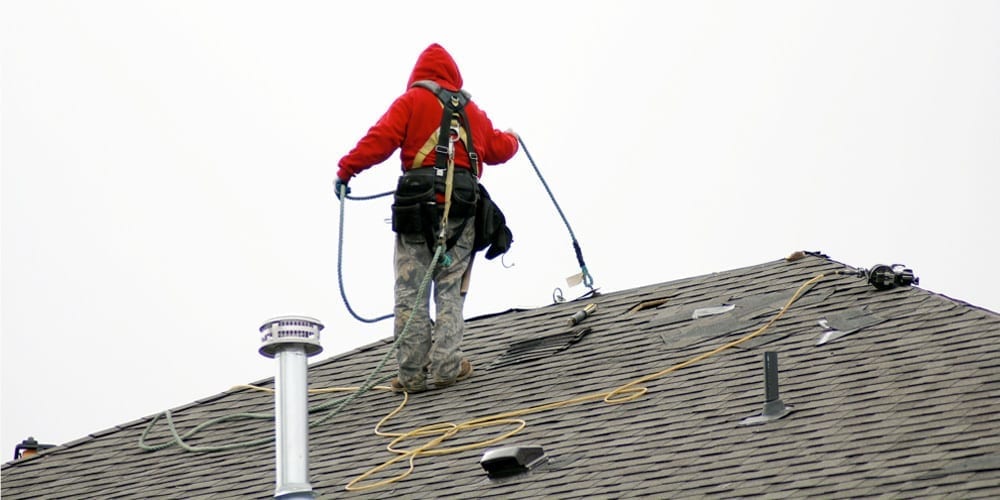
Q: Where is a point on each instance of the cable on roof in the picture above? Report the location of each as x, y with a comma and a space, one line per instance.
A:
446, 430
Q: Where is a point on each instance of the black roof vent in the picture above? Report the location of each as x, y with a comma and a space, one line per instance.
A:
29, 448
774, 408
511, 460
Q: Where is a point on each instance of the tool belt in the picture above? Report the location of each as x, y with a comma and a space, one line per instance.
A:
416, 209
418, 202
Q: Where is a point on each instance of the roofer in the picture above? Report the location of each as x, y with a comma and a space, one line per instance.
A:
433, 124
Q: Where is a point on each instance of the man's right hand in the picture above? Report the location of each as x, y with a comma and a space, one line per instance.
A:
341, 185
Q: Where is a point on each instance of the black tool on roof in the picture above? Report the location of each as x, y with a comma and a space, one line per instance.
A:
884, 277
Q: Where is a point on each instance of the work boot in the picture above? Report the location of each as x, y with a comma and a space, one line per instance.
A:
464, 372
398, 386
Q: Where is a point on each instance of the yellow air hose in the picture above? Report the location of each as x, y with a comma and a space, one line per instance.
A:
445, 430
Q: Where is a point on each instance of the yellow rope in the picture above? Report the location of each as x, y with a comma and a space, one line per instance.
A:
445, 430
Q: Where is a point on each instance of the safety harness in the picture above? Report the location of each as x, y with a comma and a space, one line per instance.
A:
422, 190
453, 120
426, 196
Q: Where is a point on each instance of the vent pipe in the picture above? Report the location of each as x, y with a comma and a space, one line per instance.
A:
29, 448
291, 339
774, 408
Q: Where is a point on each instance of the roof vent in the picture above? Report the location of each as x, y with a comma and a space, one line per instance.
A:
29, 448
291, 331
291, 339
774, 408
512, 460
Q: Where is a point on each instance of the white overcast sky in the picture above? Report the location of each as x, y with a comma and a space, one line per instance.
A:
168, 165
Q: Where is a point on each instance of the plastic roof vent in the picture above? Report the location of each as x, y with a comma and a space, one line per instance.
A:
774, 408
511, 460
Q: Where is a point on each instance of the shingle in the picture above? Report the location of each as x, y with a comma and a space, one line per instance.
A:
875, 411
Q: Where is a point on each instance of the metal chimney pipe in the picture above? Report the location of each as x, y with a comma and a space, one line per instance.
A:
291, 339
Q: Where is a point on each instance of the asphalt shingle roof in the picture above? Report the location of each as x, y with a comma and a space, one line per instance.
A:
905, 404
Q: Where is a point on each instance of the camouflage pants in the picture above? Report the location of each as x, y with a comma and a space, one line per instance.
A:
434, 346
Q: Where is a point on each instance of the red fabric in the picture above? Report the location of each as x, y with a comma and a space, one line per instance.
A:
416, 114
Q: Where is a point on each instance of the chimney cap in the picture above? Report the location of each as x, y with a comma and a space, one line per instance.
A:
290, 330
30, 447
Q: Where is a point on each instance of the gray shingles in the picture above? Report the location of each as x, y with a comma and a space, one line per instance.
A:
876, 412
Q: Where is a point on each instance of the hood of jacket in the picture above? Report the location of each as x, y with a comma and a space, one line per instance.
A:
436, 64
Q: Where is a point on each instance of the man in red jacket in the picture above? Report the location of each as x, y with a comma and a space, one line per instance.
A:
433, 106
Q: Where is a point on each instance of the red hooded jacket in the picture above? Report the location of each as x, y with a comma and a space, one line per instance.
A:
416, 114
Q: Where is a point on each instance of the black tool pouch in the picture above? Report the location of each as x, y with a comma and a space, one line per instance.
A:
464, 194
413, 200
491, 227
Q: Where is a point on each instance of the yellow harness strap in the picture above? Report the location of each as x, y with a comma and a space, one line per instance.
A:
432, 141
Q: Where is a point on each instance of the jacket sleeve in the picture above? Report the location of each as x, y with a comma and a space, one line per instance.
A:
496, 147
379, 143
